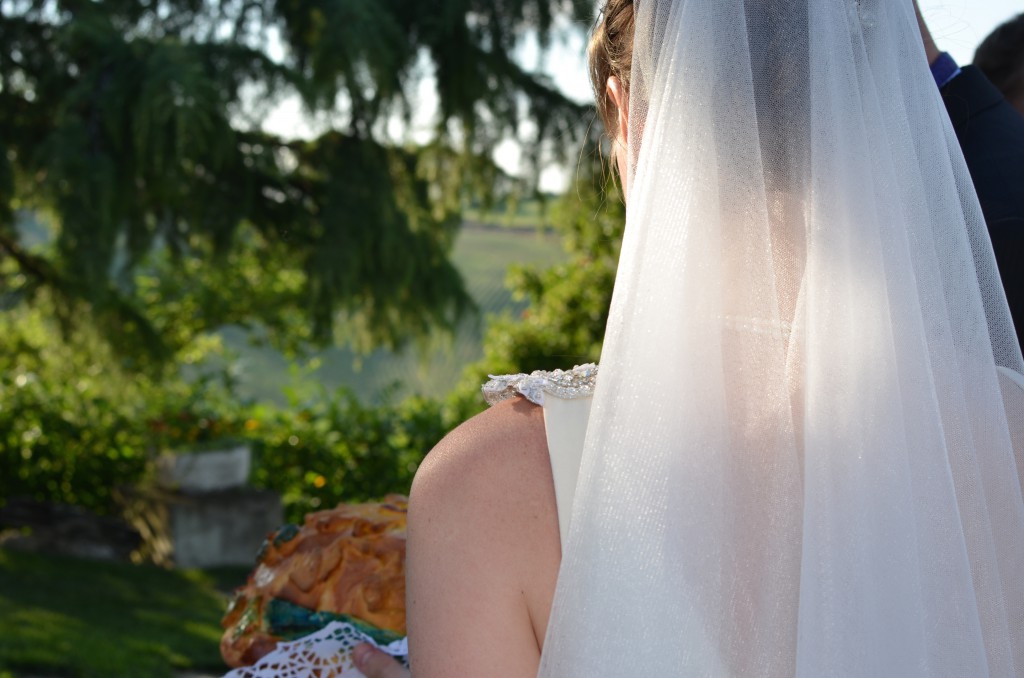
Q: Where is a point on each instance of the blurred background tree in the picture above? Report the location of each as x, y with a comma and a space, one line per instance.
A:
144, 206
564, 321
137, 188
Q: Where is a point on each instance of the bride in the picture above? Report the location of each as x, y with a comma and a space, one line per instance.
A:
799, 458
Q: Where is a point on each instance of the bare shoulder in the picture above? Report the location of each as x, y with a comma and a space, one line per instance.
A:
479, 455
483, 547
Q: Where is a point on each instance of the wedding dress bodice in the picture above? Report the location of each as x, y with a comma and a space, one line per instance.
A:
565, 396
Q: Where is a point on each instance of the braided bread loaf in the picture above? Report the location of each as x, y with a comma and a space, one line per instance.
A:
347, 562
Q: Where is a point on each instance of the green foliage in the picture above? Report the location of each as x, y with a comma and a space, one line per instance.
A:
334, 449
68, 431
65, 616
75, 424
134, 126
74, 428
203, 417
130, 130
372, 52
60, 444
565, 321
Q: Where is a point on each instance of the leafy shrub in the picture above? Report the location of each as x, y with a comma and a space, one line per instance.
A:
70, 430
74, 428
60, 443
564, 323
336, 449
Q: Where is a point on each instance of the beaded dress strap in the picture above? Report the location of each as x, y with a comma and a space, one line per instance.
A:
567, 384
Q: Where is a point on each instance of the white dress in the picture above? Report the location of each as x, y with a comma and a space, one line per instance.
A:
566, 396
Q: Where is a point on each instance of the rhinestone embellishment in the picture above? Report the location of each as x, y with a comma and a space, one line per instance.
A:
566, 384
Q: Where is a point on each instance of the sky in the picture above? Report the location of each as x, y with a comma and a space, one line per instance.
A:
958, 26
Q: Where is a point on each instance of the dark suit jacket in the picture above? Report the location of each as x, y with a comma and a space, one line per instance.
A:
991, 135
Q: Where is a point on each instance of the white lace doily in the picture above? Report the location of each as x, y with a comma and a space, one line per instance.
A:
575, 383
324, 654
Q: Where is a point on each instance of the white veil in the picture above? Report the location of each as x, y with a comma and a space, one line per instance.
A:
798, 462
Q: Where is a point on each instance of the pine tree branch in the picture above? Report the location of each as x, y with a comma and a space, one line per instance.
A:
35, 266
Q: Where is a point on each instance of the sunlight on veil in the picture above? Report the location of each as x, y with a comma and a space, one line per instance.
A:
798, 461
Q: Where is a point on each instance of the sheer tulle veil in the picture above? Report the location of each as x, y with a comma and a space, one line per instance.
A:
799, 462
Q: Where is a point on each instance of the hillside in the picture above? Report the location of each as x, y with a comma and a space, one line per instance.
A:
483, 255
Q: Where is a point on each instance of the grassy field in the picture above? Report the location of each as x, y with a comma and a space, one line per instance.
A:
527, 213
483, 256
71, 617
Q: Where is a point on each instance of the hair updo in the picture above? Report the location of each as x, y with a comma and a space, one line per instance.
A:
611, 53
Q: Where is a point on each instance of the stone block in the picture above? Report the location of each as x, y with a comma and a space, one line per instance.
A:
226, 527
204, 471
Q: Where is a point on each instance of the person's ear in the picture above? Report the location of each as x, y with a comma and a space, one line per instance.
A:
620, 97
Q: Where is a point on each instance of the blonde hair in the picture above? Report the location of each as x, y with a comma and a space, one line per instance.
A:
611, 53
